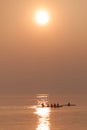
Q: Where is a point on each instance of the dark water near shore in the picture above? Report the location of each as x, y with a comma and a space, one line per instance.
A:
23, 113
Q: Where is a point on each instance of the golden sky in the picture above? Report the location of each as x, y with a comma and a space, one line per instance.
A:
41, 58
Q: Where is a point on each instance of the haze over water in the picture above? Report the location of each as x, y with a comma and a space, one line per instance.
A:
25, 114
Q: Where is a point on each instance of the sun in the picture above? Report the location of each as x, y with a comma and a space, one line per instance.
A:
42, 17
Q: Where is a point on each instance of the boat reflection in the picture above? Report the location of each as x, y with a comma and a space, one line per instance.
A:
43, 118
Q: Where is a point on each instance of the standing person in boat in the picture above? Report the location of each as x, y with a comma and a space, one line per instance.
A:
57, 104
42, 105
69, 104
51, 105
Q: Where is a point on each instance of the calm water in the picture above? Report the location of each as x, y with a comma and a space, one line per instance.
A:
24, 113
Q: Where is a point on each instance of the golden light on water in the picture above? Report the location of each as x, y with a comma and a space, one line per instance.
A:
42, 17
43, 118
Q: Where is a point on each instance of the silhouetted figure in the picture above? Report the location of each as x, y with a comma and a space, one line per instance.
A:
51, 105
42, 104
68, 104
54, 105
57, 104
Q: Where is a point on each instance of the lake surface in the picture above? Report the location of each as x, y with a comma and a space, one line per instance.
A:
25, 113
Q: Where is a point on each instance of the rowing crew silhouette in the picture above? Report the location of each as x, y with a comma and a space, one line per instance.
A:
56, 105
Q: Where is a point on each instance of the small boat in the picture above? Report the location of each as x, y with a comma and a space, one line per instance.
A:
56, 105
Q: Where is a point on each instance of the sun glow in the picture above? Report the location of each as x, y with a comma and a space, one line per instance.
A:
43, 117
43, 114
42, 17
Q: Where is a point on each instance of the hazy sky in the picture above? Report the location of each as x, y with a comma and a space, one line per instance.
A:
36, 59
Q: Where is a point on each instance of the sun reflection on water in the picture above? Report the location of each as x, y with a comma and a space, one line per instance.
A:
43, 118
